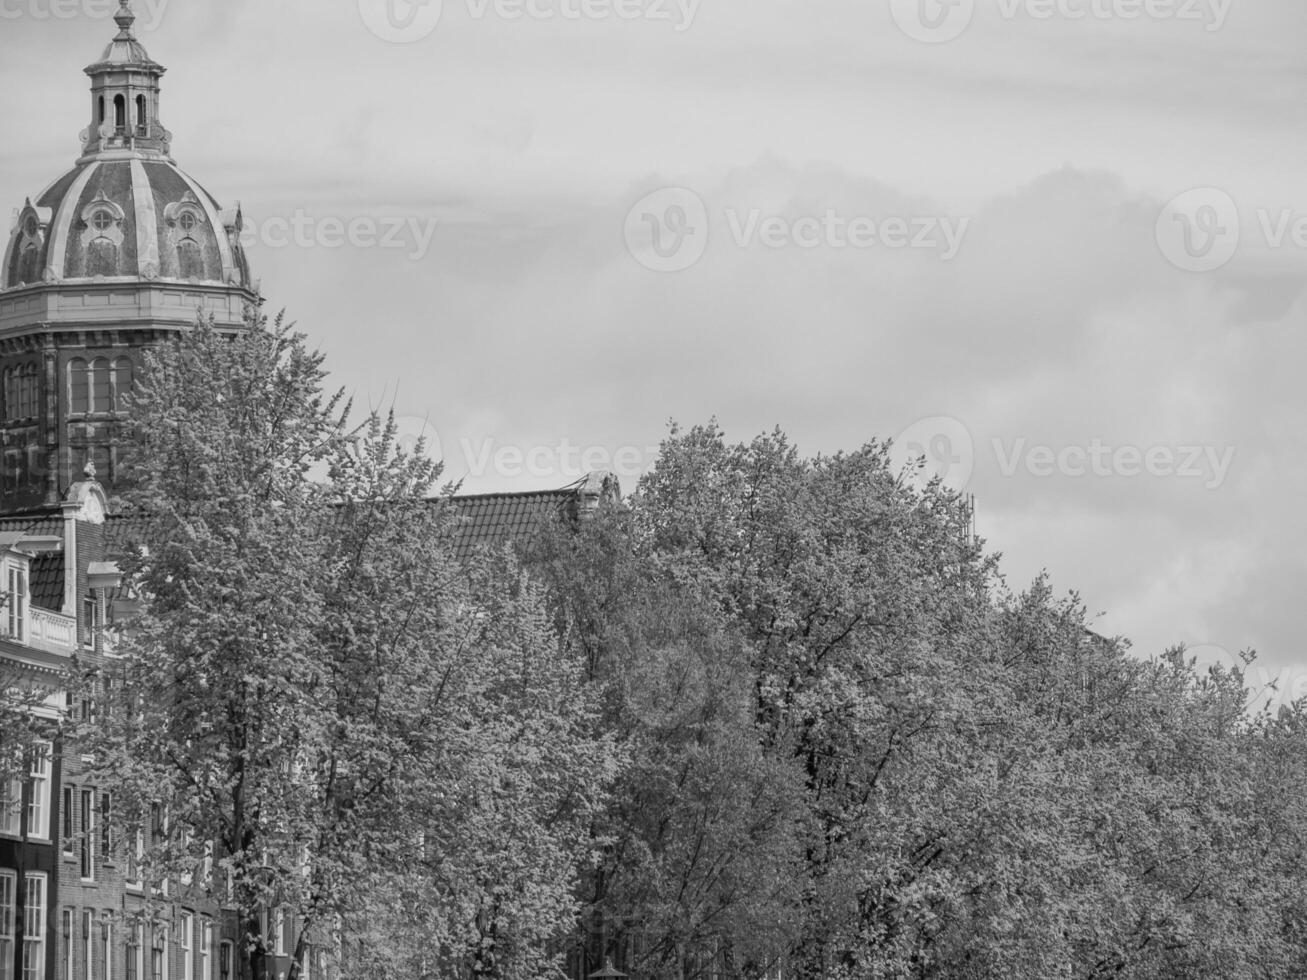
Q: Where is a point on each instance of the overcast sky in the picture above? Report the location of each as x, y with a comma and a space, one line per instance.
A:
1058, 245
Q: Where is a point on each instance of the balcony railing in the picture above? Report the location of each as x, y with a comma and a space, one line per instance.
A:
51, 631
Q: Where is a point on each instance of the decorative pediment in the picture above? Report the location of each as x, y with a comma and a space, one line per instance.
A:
178, 212
34, 222
93, 215
87, 500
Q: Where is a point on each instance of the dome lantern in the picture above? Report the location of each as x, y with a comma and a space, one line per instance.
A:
125, 99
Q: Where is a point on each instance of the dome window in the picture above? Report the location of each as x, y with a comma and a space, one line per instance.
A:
186, 226
29, 268
31, 227
102, 236
142, 117
190, 259
120, 114
102, 258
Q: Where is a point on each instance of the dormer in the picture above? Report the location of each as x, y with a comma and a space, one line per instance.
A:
16, 576
20, 621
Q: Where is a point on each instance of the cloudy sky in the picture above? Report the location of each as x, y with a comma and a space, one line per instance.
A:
1057, 246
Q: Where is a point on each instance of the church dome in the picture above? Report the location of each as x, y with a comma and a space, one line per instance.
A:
125, 211
135, 218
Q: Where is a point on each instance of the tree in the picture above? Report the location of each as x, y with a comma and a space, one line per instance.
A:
371, 732
701, 832
955, 780
24, 730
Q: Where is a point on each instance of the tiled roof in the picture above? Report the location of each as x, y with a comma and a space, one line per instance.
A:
46, 581
47, 569
491, 520
483, 521
121, 532
37, 525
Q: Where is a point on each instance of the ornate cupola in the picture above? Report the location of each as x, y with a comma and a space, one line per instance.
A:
125, 98
110, 258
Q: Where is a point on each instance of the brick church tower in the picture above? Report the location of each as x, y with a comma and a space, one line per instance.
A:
110, 258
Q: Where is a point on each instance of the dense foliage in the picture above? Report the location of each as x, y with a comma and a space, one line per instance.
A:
375, 736
770, 716
857, 755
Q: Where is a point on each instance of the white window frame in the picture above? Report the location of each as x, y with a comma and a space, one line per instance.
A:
279, 932
17, 599
185, 943
135, 859
67, 814
34, 917
38, 801
136, 949
67, 922
206, 949
106, 935
88, 951
8, 922
11, 810
87, 803
186, 878
105, 818
162, 933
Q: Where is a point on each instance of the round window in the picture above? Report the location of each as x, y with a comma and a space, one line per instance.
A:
31, 227
187, 221
102, 221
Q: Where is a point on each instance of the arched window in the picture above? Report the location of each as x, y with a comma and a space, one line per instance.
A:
22, 397
102, 258
29, 268
122, 384
120, 114
101, 387
142, 117
101, 119
31, 392
190, 259
79, 383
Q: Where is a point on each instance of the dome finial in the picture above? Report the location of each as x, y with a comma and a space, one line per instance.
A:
124, 19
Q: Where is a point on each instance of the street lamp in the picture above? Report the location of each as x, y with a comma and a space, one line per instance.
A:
608, 973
